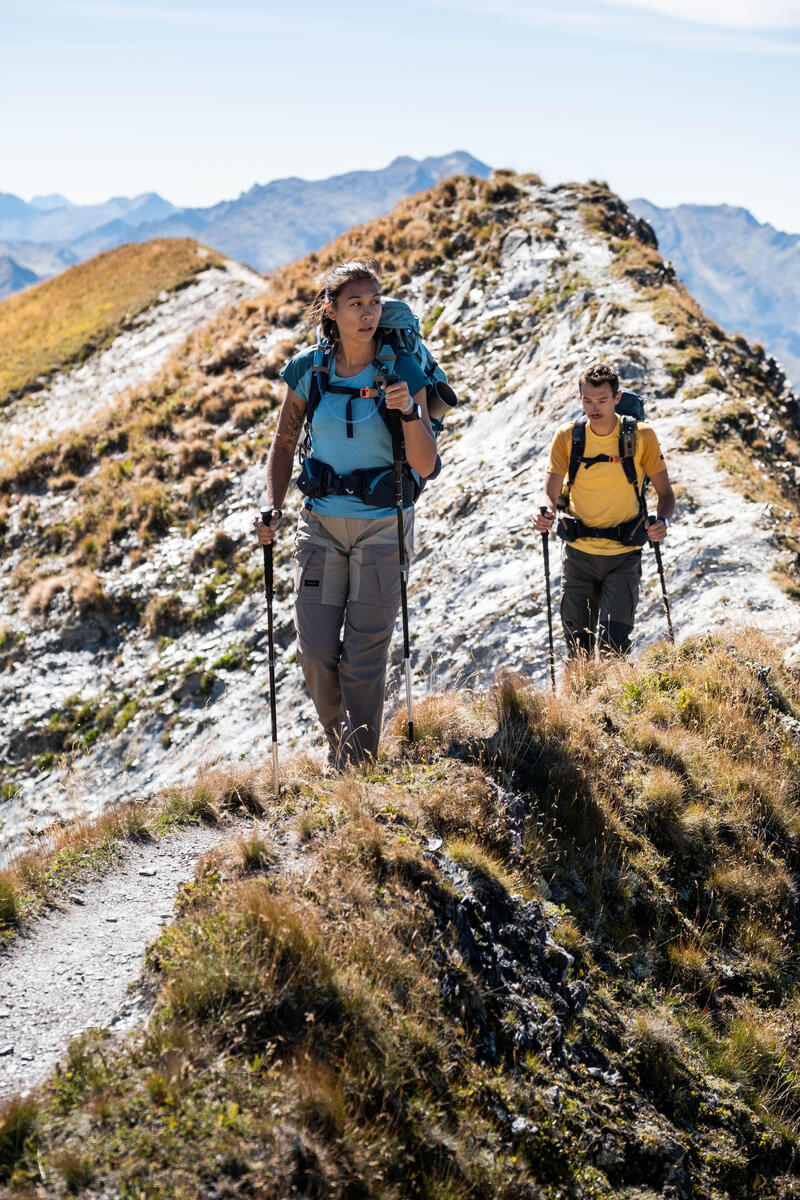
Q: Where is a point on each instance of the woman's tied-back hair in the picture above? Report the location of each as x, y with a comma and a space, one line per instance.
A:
335, 282
598, 373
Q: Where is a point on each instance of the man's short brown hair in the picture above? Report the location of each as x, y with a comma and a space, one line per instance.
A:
598, 373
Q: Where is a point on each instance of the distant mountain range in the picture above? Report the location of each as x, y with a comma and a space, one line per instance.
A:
268, 225
746, 275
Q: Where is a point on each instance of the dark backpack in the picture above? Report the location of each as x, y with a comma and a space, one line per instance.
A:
630, 406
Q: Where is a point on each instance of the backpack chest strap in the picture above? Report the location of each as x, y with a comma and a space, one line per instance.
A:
626, 457
600, 458
321, 385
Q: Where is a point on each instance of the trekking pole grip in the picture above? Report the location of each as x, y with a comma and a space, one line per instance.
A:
266, 517
544, 510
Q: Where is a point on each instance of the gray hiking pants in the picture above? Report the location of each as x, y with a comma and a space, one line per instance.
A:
347, 572
599, 594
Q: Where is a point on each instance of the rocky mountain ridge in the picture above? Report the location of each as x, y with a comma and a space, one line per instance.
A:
135, 639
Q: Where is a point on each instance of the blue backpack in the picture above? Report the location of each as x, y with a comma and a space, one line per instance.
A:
398, 330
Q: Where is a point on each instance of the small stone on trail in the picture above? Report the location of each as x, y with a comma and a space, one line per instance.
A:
5, 1050
112, 919
148, 871
76, 899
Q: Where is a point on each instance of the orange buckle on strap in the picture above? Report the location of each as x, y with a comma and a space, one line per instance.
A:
365, 393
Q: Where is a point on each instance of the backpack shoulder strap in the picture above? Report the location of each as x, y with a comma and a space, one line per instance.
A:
627, 449
386, 354
577, 448
320, 370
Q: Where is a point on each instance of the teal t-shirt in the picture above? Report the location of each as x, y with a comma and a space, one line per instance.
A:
371, 444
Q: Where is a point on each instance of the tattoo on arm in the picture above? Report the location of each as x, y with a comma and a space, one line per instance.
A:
290, 422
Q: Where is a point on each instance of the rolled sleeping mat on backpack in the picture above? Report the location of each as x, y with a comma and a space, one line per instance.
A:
441, 397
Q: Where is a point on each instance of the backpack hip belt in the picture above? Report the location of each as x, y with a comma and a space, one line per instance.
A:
628, 533
373, 486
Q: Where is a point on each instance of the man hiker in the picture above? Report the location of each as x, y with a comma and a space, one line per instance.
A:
604, 458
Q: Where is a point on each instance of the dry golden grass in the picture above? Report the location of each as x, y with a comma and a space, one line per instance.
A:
344, 1001
43, 592
443, 719
70, 316
151, 459
17, 1124
479, 861
82, 588
760, 1052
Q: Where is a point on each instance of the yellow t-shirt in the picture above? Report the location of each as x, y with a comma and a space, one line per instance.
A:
601, 495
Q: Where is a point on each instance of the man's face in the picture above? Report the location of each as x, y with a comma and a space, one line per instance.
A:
598, 404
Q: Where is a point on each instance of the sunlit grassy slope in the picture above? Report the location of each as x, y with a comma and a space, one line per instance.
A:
70, 316
368, 1005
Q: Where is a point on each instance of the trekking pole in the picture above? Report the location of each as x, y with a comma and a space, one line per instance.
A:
546, 553
266, 517
397, 453
660, 565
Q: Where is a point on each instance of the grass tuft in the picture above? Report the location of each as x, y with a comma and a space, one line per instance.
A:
9, 899
18, 1123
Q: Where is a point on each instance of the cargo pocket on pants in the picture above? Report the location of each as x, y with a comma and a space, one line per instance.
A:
380, 577
309, 563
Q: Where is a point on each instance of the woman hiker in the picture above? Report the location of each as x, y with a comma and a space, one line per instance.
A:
346, 553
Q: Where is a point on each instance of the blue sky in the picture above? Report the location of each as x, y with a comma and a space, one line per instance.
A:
674, 100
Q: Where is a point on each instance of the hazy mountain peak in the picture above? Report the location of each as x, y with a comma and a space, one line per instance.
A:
12, 207
50, 203
745, 273
13, 276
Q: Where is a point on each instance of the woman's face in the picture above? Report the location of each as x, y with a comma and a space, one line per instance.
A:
357, 310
